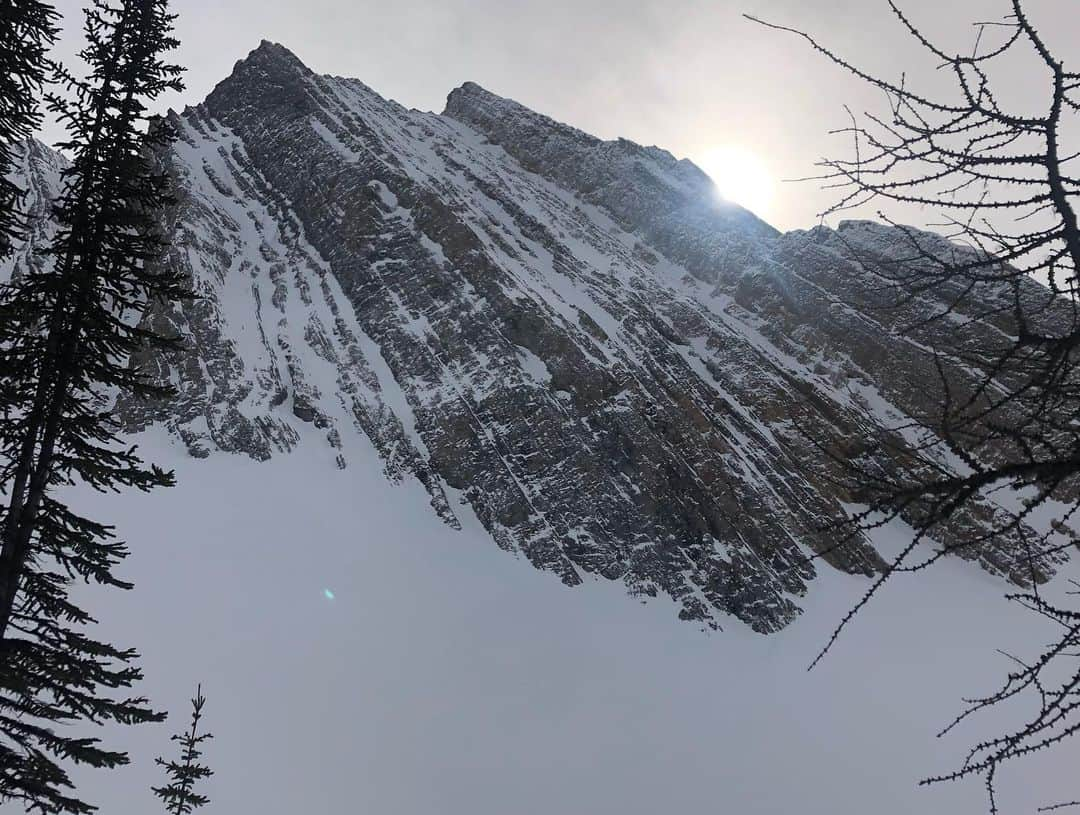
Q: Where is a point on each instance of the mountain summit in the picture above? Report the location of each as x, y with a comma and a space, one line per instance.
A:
574, 340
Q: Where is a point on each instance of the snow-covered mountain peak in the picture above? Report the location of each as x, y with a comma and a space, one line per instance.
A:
490, 113
271, 57
568, 338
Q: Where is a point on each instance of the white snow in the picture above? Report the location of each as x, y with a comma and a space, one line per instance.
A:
534, 366
449, 678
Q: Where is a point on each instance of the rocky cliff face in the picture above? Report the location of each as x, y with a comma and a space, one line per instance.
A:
573, 338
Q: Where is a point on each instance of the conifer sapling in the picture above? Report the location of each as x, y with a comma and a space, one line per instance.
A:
179, 794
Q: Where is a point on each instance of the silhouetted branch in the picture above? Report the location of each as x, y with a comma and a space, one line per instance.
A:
996, 308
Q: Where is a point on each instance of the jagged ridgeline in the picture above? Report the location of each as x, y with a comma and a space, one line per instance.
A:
574, 338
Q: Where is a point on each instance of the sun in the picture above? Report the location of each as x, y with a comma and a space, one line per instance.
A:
740, 176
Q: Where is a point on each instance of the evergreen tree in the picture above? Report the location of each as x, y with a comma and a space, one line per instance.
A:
67, 330
27, 29
179, 794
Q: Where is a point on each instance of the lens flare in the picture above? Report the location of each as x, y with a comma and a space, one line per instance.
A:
740, 177
329, 595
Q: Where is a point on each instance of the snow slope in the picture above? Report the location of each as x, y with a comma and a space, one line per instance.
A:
443, 679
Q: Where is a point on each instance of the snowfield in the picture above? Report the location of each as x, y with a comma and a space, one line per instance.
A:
447, 678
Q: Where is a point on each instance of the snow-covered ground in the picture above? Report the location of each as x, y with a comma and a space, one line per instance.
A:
448, 677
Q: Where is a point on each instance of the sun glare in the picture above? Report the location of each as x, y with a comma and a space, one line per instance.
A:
740, 177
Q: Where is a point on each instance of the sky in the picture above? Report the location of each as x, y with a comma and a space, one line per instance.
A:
692, 76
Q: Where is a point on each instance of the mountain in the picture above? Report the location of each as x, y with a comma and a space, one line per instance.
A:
572, 339
420, 336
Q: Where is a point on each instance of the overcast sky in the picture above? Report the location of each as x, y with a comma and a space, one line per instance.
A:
691, 76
